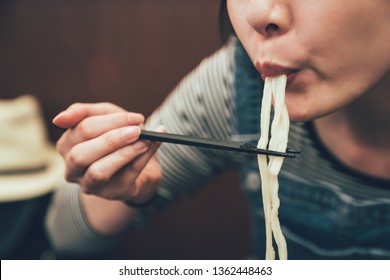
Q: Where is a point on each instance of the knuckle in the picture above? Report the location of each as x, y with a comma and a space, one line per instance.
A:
135, 192
60, 146
85, 130
112, 106
155, 174
70, 177
125, 154
107, 104
142, 181
62, 143
96, 174
75, 158
111, 140
157, 177
76, 106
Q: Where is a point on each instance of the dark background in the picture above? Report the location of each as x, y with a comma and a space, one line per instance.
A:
131, 53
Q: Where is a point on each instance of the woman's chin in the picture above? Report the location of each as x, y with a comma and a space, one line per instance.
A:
299, 109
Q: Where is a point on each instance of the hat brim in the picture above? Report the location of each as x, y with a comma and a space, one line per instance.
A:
30, 185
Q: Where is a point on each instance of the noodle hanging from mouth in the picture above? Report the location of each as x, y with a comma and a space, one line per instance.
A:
274, 88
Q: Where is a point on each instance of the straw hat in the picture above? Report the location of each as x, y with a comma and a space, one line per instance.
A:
29, 165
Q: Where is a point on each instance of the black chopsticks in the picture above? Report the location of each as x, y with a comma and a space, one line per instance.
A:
214, 144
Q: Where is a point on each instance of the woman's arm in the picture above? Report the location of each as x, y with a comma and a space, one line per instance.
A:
200, 105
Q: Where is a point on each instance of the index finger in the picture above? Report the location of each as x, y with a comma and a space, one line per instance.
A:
79, 111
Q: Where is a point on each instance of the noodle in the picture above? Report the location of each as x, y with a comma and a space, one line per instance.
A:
274, 88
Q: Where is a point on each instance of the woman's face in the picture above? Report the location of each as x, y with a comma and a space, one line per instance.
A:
333, 50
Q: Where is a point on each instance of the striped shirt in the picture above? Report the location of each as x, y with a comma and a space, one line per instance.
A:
327, 210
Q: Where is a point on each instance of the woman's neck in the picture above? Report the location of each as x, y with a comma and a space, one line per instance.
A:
359, 134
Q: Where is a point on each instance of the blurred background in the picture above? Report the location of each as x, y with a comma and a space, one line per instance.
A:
131, 53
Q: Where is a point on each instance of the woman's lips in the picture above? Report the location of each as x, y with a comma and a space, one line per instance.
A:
268, 69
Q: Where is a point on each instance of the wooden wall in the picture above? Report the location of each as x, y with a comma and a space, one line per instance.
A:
131, 53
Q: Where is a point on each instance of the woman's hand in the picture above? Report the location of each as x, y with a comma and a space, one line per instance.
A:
102, 152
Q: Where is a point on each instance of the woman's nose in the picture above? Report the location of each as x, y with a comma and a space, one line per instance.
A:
269, 17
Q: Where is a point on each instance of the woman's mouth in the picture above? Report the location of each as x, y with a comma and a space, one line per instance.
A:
268, 69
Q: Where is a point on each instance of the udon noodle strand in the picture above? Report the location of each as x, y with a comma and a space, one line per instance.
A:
274, 89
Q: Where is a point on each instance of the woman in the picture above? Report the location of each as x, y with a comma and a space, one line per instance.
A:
335, 197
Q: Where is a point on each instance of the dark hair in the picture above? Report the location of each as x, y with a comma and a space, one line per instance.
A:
225, 26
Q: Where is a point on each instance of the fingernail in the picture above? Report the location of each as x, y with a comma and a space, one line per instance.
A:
131, 131
135, 118
58, 116
139, 145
